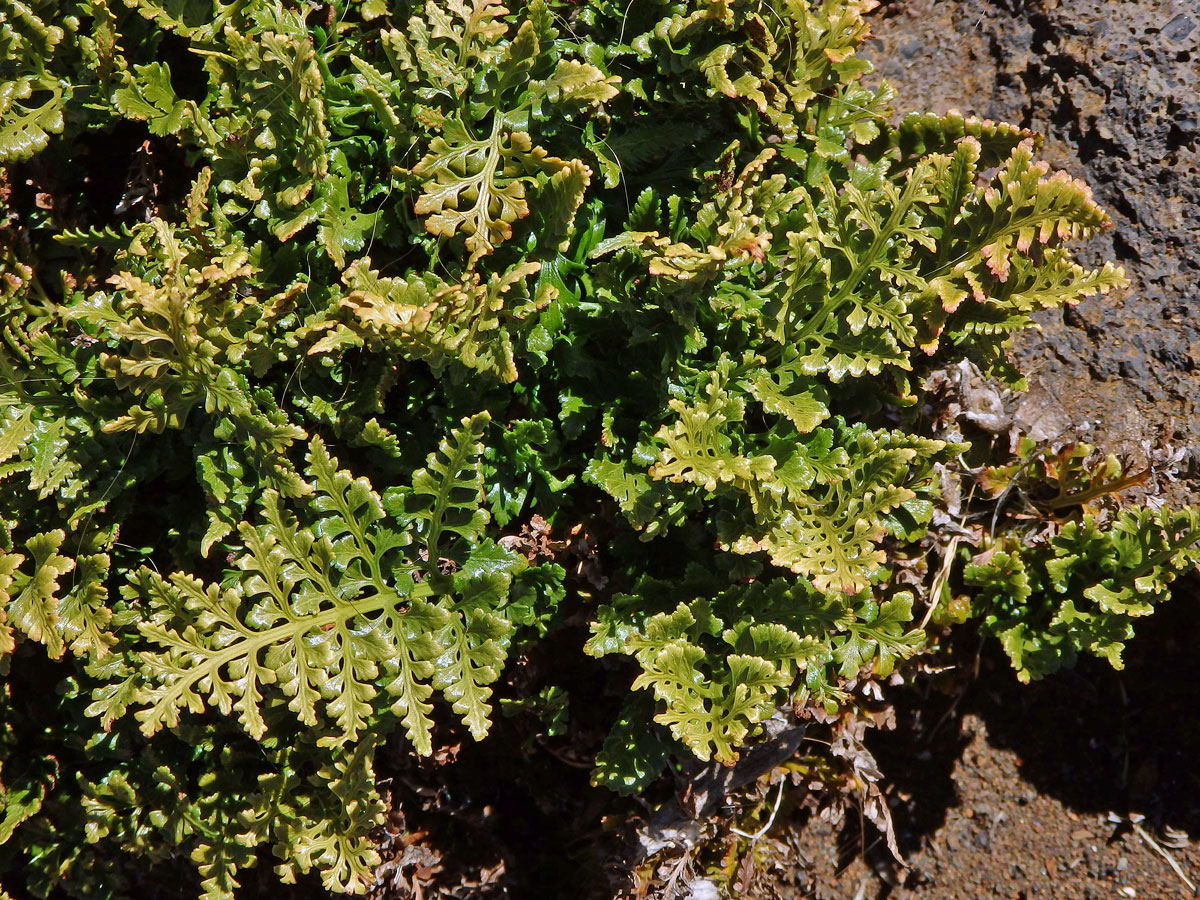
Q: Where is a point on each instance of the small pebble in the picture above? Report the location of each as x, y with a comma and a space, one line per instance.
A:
1178, 28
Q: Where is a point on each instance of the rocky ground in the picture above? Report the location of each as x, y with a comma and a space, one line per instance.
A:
1114, 86
1077, 788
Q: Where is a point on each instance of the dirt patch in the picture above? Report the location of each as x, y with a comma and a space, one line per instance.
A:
1022, 791
1115, 88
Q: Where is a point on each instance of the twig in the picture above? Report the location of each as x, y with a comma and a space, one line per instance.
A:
770, 821
1134, 820
1157, 848
939, 581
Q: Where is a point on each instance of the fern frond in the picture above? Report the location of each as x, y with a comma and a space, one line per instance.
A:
425, 318
710, 712
922, 134
84, 615
1083, 592
275, 96
805, 409
186, 339
26, 130
879, 637
314, 629
699, 450
633, 490
831, 534
149, 97
17, 428
715, 684
474, 645
440, 49
851, 277
324, 617
335, 838
31, 599
477, 186
447, 492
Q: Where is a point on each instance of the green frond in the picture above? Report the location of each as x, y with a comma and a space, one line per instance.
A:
698, 448
183, 341
31, 598
713, 683
149, 97
710, 712
879, 637
633, 490
17, 428
273, 108
26, 130
922, 134
425, 318
831, 533
1085, 590
30, 45
805, 409
633, 755
335, 838
474, 646
447, 493
84, 615
477, 186
325, 617
579, 83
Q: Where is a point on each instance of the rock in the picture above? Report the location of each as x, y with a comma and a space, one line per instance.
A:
1115, 88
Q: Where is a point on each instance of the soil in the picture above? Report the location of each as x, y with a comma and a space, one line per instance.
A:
1004, 790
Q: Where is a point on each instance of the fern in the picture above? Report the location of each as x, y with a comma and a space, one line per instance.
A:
1099, 569
775, 637
30, 598
1085, 590
446, 493
330, 615
830, 535
828, 532
699, 450
618, 314
424, 318
475, 178
149, 96
29, 42
24, 130
477, 186
336, 840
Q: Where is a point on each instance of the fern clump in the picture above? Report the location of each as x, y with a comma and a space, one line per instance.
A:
464, 322
1076, 579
